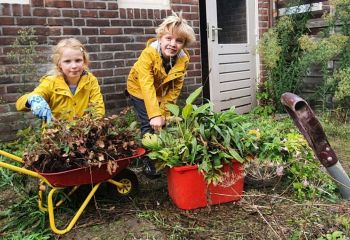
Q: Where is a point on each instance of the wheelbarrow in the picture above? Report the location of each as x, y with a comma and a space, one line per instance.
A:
124, 180
308, 124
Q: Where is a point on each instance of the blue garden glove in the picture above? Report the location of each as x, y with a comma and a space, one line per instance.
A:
40, 108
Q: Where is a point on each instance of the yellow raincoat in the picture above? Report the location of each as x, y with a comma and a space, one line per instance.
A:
62, 102
149, 81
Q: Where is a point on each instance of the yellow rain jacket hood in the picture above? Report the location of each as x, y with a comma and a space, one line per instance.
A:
149, 81
62, 102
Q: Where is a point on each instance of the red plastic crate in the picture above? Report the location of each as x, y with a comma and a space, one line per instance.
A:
188, 189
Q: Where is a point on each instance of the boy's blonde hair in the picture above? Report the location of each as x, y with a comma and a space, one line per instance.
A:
176, 24
57, 53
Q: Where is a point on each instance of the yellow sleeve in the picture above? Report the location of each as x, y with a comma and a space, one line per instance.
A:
96, 98
44, 90
146, 81
172, 94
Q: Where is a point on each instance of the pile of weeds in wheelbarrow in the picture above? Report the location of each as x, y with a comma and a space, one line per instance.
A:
81, 142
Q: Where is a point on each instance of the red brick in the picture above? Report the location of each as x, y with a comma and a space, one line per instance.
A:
95, 5
156, 13
121, 22
130, 13
124, 55
108, 14
193, 2
181, 8
10, 30
163, 14
112, 6
17, 9
71, 31
27, 10
59, 22
58, 4
111, 31
5, 9
4, 108
122, 71
54, 13
137, 13
195, 9
136, 46
150, 14
93, 48
78, 4
40, 12
134, 30
30, 21
122, 13
2, 90
95, 65
108, 89
150, 31
70, 13
7, 21
89, 31
79, 22
9, 98
6, 40
142, 23
100, 40
122, 39
37, 3
112, 47
102, 73
88, 13
144, 13
97, 22
113, 64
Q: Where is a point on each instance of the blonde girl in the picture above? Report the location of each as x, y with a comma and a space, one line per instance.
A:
69, 89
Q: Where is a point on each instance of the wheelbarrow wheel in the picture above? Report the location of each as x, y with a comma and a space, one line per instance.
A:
131, 184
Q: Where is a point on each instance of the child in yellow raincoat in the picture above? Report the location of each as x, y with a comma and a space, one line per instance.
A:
158, 75
69, 89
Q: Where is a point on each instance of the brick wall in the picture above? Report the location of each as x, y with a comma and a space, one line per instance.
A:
265, 17
114, 37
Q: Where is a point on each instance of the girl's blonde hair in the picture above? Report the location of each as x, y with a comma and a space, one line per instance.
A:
176, 24
58, 49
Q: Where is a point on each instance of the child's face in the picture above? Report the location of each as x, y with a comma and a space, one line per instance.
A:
72, 64
171, 44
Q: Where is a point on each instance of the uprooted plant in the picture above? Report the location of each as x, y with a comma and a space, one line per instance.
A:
82, 142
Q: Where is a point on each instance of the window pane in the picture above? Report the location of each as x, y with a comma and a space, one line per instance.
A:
233, 21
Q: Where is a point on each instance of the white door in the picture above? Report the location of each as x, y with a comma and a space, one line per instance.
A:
231, 53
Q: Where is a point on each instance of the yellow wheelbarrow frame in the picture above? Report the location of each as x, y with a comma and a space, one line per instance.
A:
122, 187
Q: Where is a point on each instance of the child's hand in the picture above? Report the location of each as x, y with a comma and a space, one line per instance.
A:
40, 108
157, 123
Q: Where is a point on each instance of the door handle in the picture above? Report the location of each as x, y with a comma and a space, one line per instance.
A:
213, 29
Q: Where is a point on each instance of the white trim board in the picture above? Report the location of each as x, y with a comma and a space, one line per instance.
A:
300, 9
144, 4
15, 1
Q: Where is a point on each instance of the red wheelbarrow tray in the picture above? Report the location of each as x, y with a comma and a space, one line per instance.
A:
89, 174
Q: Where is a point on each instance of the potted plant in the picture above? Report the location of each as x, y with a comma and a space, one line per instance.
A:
203, 153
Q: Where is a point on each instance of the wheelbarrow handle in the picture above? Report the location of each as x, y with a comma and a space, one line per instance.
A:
19, 169
11, 156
